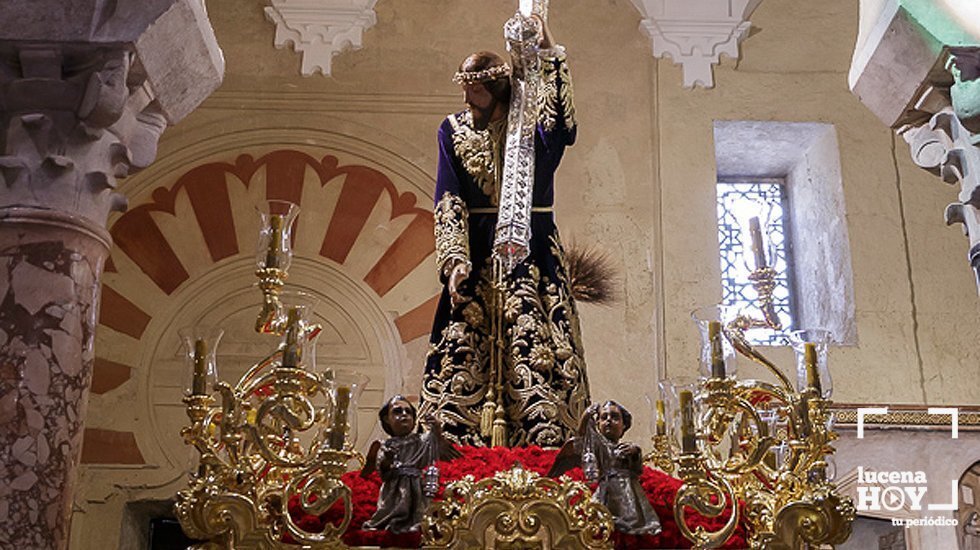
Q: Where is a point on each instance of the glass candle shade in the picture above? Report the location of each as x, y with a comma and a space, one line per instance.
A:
670, 391
688, 432
275, 247
200, 353
819, 373
769, 417
830, 472
717, 357
345, 389
300, 331
658, 412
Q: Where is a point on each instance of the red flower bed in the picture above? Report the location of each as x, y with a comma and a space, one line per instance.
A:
482, 463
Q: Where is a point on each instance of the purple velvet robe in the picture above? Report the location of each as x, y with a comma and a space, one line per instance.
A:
545, 388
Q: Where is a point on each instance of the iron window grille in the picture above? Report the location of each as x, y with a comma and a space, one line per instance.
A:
737, 201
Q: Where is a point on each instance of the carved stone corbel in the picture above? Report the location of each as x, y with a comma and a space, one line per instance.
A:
696, 34
946, 147
320, 29
946, 144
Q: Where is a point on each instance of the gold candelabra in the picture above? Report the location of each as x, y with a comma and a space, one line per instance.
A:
273, 256
759, 443
282, 436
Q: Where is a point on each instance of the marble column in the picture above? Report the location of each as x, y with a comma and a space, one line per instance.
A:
84, 95
49, 272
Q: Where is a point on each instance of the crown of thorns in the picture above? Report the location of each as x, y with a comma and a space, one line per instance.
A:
486, 75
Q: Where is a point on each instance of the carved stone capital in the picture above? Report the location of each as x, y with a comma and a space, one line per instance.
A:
945, 147
917, 67
696, 34
320, 29
83, 105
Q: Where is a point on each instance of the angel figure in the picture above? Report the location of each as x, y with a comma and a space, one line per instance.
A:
403, 459
615, 465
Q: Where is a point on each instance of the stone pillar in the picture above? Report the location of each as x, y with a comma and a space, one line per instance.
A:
49, 272
917, 67
85, 92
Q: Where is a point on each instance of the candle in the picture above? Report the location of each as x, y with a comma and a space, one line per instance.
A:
275, 243
339, 431
803, 412
291, 353
812, 372
755, 231
526, 7
687, 422
717, 351
199, 385
661, 418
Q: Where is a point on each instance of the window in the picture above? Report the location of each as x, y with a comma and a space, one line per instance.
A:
795, 168
738, 201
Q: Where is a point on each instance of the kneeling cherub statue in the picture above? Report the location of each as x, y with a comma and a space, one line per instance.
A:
405, 460
615, 465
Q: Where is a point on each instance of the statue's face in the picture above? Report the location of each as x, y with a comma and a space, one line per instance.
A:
611, 422
480, 102
401, 419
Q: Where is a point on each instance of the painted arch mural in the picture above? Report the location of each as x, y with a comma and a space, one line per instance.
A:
185, 254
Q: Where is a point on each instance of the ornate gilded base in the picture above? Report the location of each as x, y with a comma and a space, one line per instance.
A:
517, 509
231, 511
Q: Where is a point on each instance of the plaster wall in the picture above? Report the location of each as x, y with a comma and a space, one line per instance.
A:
822, 255
639, 183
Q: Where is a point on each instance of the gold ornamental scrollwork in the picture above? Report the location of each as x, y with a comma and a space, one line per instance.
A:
247, 474
756, 450
280, 437
516, 508
823, 519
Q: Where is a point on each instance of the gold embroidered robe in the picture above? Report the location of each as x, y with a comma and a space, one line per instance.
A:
545, 388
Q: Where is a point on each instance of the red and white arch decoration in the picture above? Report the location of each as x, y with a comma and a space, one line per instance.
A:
354, 222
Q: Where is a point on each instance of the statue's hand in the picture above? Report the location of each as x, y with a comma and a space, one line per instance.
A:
626, 450
385, 458
431, 422
458, 274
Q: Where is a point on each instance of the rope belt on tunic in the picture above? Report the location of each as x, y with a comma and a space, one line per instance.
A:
492, 416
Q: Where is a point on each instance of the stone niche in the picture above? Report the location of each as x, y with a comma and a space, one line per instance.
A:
804, 157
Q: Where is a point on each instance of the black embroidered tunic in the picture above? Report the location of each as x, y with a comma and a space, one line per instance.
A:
545, 388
